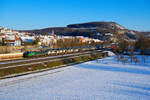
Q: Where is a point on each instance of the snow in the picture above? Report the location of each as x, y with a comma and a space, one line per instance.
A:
119, 26
132, 32
103, 79
110, 53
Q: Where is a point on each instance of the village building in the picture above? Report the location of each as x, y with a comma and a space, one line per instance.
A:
12, 40
26, 38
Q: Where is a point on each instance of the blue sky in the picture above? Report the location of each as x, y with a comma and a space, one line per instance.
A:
36, 14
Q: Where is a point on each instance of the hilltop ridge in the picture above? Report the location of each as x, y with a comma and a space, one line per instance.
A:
99, 30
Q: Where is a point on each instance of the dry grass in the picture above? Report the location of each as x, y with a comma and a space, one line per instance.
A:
7, 49
14, 49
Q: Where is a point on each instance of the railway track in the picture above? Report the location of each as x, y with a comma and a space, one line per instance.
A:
25, 62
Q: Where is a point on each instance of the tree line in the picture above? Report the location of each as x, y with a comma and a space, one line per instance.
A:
142, 44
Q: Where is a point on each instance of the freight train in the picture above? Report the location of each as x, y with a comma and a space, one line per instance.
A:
58, 51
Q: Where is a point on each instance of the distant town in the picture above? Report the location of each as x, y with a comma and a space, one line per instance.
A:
9, 37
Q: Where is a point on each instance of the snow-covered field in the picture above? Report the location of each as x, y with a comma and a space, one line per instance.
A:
105, 79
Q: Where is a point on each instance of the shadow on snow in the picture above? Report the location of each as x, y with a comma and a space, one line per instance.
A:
116, 69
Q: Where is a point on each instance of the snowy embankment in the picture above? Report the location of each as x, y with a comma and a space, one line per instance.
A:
104, 79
